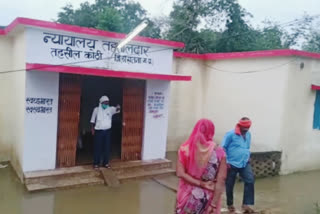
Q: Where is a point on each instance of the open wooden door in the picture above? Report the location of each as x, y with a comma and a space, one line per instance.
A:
68, 119
133, 119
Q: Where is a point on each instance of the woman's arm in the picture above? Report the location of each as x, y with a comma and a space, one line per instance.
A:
191, 180
220, 184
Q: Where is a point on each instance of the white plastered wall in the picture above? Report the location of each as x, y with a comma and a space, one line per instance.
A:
155, 123
186, 98
300, 142
278, 99
257, 95
225, 97
13, 98
41, 128
5, 65
221, 92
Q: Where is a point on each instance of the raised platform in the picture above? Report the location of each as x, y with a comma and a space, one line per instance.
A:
86, 175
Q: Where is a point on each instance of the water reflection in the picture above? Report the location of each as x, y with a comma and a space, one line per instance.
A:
143, 197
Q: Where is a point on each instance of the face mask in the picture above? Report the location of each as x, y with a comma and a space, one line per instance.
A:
104, 106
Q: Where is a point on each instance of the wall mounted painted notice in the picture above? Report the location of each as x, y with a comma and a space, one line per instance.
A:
39, 105
75, 49
155, 103
65, 48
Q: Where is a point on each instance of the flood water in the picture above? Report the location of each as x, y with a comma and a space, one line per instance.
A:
292, 194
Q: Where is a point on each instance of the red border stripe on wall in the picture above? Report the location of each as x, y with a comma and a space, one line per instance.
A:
248, 54
104, 72
315, 87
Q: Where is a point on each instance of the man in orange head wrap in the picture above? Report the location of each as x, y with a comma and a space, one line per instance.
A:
236, 144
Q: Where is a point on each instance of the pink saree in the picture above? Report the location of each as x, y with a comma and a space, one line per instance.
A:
201, 159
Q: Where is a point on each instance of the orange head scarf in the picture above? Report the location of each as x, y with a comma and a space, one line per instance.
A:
244, 123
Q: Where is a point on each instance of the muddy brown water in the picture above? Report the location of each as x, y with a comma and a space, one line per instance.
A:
292, 194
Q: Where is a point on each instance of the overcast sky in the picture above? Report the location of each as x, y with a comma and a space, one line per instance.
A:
276, 10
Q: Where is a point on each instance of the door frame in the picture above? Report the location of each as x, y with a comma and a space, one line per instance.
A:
142, 122
68, 158
136, 151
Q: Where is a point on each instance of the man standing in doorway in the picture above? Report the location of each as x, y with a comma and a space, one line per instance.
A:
101, 122
236, 144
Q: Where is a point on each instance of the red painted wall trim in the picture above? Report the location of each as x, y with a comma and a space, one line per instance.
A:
189, 55
315, 87
88, 31
104, 73
249, 54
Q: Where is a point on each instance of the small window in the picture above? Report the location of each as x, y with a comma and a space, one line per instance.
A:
316, 116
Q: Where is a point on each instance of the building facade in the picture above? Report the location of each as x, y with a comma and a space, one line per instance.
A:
51, 78
276, 89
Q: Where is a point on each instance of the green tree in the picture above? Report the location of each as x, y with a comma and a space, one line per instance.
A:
226, 28
111, 20
313, 42
85, 16
185, 20
270, 37
238, 36
298, 30
223, 26
112, 15
203, 25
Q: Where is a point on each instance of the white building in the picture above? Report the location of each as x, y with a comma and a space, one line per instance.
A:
277, 89
52, 76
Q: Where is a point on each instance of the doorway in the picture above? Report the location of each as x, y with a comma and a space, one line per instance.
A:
91, 90
78, 96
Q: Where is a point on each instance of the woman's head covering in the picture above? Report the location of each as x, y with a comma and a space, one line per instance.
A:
194, 155
204, 130
243, 123
199, 146
103, 99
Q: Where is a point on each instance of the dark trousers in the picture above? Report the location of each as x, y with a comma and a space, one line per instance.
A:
101, 146
246, 175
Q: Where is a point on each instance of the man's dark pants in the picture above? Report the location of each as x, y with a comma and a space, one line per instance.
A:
247, 177
101, 146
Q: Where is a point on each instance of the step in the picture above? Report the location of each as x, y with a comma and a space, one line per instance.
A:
59, 171
36, 177
141, 174
64, 183
86, 175
132, 166
139, 163
110, 179
117, 166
